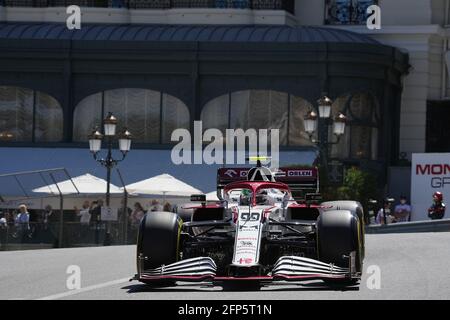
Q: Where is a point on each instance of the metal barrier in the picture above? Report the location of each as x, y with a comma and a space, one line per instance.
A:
37, 235
411, 227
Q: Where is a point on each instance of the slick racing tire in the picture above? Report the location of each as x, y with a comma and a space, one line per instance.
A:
356, 208
338, 235
158, 240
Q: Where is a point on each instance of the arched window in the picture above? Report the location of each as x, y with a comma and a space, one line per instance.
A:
360, 140
299, 107
259, 109
151, 116
29, 116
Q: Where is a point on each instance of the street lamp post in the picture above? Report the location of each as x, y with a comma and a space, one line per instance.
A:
321, 123
95, 143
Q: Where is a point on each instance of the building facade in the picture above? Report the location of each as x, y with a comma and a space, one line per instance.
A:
161, 65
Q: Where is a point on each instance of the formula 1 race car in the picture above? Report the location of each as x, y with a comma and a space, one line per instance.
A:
268, 226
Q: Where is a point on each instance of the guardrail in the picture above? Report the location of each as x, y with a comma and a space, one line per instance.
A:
411, 227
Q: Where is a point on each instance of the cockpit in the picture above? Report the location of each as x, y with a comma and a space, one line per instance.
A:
260, 196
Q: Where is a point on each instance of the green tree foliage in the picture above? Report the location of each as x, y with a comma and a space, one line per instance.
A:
358, 185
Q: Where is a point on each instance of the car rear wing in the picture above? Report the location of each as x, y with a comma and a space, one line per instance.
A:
301, 180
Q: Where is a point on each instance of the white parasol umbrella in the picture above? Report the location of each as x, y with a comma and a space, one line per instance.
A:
86, 184
162, 185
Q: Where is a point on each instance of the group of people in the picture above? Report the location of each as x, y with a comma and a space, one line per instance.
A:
402, 211
91, 212
26, 225
19, 221
136, 215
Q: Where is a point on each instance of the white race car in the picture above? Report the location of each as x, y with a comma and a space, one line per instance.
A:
267, 227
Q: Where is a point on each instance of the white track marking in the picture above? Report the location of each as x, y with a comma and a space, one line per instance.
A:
85, 289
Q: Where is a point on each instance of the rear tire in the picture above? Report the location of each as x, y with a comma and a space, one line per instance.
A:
338, 235
158, 241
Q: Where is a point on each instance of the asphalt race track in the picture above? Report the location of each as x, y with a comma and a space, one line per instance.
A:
413, 266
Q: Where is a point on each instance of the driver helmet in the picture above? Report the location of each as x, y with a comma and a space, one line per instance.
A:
244, 197
438, 197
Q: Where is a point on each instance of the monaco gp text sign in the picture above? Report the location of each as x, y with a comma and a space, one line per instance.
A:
430, 172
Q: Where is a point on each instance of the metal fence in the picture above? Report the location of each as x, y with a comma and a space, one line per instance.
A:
14, 236
287, 5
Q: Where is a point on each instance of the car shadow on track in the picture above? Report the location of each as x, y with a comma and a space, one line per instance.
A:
202, 287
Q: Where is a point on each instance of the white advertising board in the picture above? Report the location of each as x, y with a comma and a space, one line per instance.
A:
108, 214
430, 172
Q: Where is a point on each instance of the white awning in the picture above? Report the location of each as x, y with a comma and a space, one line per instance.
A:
162, 185
86, 184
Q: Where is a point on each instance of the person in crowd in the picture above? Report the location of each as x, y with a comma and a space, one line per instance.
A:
51, 216
8, 217
46, 216
120, 212
167, 207
51, 219
137, 215
3, 221
155, 206
124, 216
85, 218
83, 213
437, 209
3, 230
384, 214
96, 211
402, 211
23, 223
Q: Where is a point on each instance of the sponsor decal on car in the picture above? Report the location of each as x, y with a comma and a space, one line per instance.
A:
245, 260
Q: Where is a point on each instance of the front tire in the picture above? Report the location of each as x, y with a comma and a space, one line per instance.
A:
338, 235
158, 240
356, 208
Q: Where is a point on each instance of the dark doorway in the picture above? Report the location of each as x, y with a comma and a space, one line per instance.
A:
438, 121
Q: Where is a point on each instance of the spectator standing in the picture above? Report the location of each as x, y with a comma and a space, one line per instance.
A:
384, 214
50, 216
137, 214
84, 214
46, 216
437, 209
3, 221
23, 223
123, 213
402, 211
155, 206
96, 211
51, 222
124, 216
167, 207
3, 230
85, 218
